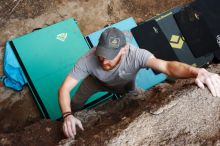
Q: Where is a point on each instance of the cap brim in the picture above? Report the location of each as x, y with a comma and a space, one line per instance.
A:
106, 53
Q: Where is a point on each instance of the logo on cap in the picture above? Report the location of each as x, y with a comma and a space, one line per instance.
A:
114, 42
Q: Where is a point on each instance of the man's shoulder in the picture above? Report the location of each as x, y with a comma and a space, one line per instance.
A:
90, 53
138, 53
88, 58
133, 49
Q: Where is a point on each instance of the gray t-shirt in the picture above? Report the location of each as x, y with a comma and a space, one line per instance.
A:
122, 74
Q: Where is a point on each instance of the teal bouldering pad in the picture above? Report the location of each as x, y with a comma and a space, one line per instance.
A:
46, 56
145, 78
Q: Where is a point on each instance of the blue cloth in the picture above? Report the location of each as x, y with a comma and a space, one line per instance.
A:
13, 75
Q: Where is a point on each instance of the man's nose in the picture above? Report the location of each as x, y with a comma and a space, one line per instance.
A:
105, 61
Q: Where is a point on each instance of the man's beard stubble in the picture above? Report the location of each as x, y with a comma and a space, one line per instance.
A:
109, 67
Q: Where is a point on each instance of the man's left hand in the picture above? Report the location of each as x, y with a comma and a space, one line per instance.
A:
211, 80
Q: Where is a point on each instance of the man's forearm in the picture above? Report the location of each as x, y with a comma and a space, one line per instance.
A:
181, 70
64, 93
64, 101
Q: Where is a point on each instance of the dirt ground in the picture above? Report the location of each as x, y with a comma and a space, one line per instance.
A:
155, 118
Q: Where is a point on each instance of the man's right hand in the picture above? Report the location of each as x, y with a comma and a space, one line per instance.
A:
69, 126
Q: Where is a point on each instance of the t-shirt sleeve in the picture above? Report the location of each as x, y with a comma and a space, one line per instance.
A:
80, 70
142, 56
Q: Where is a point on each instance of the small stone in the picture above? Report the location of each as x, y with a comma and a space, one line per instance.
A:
123, 118
67, 142
48, 129
96, 136
4, 141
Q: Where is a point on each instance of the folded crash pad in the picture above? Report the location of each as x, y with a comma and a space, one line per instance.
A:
150, 36
174, 35
196, 32
209, 9
46, 57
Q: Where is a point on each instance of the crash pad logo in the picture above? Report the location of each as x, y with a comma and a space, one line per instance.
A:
155, 29
114, 42
62, 36
176, 42
197, 16
218, 40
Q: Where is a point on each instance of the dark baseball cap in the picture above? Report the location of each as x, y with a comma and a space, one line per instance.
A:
110, 43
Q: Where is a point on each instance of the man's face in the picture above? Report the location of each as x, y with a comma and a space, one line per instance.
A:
109, 64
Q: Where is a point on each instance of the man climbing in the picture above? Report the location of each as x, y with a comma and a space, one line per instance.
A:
112, 66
